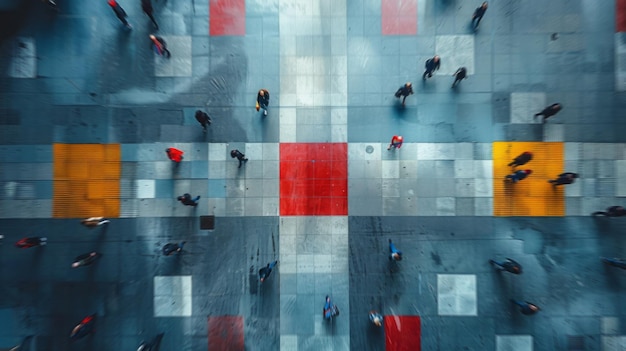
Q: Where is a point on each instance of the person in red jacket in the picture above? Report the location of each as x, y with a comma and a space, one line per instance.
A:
174, 154
396, 142
26, 243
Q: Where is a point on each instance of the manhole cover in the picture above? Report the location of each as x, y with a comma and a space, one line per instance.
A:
369, 149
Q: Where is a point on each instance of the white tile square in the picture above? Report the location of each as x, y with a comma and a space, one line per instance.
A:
217, 152
390, 169
172, 296
288, 133
270, 206
456, 295
288, 342
145, 188
553, 132
525, 105
288, 225
613, 343
253, 151
455, 51
426, 151
322, 263
514, 343
610, 325
304, 264
339, 133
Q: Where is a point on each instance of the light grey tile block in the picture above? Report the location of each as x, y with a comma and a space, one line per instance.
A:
483, 169
217, 206
525, 105
613, 343
180, 63
364, 151
271, 169
305, 264
288, 263
457, 51
620, 61
464, 206
172, 296
574, 190
270, 188
217, 152
288, 225
456, 295
407, 169
573, 206
426, 206
483, 206
610, 325
483, 187
573, 151
483, 151
26, 208
464, 168
426, 151
464, 187
464, 151
235, 187
390, 170
23, 58
391, 188
553, 132
514, 343
446, 206
444, 169
253, 206
235, 206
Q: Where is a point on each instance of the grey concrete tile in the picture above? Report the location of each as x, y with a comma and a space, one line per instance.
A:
235, 206
427, 206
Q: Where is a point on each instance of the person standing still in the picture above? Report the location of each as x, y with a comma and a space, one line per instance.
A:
459, 75
432, 64
404, 91
478, 15
204, 119
146, 6
239, 155
549, 111
120, 13
263, 100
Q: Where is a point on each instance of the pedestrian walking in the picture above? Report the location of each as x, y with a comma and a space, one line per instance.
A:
564, 178
615, 262
526, 307
459, 75
85, 259
396, 142
518, 175
478, 15
93, 222
84, 328
152, 345
263, 100
432, 64
120, 13
521, 159
146, 6
171, 248
33, 241
394, 253
159, 46
265, 272
549, 111
187, 200
239, 155
508, 265
203, 118
174, 154
376, 318
404, 91
613, 211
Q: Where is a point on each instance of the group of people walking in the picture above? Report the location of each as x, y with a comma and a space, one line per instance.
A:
519, 175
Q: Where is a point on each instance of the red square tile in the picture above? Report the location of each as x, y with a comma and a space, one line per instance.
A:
226, 333
227, 17
620, 16
399, 17
313, 179
403, 333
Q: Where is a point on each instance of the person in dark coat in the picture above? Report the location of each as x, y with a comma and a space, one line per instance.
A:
615, 262
187, 200
518, 175
159, 45
174, 154
203, 118
564, 178
549, 111
478, 15
522, 159
509, 265
459, 75
85, 259
146, 6
432, 64
404, 91
265, 272
120, 13
526, 307
33, 241
239, 155
263, 100
613, 211
171, 248
84, 328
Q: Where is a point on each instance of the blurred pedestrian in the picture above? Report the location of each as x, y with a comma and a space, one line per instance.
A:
404, 91
174, 154
159, 45
85, 259
187, 200
459, 75
549, 111
509, 265
84, 328
239, 155
152, 345
522, 159
93, 222
432, 64
564, 178
203, 118
526, 307
120, 13
171, 248
478, 15
376, 318
394, 253
265, 272
613, 211
615, 262
396, 142
33, 241
146, 6
518, 175
263, 100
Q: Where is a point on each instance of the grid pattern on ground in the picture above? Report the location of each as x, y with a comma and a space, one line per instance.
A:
313, 179
86, 180
533, 196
